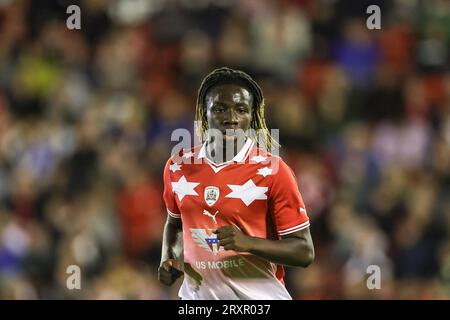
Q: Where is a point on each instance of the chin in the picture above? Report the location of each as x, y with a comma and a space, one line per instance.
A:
229, 138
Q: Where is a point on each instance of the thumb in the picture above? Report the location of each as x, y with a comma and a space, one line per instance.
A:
174, 263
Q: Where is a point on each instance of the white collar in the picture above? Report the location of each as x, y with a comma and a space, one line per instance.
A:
239, 157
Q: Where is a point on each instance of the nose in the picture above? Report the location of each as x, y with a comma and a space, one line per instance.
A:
230, 118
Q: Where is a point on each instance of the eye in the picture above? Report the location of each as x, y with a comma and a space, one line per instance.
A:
242, 110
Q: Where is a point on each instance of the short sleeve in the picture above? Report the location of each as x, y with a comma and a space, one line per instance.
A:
168, 195
286, 203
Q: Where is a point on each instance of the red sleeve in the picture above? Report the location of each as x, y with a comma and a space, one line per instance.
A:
286, 203
169, 197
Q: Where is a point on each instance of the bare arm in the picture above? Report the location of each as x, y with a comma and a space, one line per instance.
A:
295, 249
170, 268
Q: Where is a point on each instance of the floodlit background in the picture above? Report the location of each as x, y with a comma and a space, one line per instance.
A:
86, 117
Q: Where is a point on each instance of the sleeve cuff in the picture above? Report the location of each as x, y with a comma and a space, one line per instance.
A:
293, 229
173, 215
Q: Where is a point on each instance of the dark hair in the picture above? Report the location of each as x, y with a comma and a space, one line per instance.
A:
226, 76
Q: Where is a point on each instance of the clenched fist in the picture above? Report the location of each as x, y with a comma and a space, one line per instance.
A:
232, 238
169, 271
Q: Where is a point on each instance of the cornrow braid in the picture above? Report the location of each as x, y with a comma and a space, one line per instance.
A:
226, 75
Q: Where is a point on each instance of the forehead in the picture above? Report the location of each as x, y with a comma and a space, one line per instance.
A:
229, 93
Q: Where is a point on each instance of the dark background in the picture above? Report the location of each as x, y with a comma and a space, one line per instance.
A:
86, 117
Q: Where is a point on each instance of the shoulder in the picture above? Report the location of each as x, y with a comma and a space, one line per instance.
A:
265, 158
184, 155
178, 163
273, 167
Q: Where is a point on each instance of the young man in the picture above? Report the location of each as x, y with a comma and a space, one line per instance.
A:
235, 214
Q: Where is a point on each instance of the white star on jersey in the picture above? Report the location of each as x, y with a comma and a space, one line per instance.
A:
248, 192
264, 171
183, 188
188, 154
258, 158
174, 167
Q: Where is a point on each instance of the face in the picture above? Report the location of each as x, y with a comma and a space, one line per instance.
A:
229, 108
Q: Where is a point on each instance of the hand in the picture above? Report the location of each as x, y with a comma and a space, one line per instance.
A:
169, 271
232, 238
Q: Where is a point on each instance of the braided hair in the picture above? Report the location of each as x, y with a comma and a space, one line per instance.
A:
226, 75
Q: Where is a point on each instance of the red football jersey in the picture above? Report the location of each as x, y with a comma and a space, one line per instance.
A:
255, 191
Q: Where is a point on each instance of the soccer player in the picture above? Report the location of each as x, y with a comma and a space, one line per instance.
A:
235, 214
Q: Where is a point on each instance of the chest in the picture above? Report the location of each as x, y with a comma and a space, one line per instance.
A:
235, 194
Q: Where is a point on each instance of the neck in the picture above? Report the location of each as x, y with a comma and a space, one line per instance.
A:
223, 151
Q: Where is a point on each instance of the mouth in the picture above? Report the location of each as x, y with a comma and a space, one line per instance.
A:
231, 130
231, 133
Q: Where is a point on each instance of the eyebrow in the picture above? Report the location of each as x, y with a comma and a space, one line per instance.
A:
219, 104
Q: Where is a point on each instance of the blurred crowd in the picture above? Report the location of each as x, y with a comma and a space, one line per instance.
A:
86, 118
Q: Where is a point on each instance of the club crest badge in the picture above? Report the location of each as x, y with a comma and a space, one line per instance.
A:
211, 195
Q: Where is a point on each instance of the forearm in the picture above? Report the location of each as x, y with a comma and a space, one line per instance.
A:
289, 251
172, 243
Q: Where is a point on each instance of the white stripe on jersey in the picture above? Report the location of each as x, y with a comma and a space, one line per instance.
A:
294, 229
173, 215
